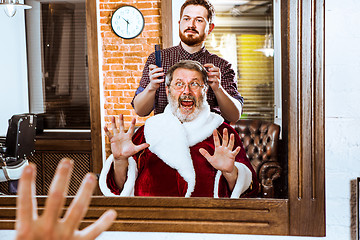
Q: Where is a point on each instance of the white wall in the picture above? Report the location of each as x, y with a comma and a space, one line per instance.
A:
342, 141
13, 68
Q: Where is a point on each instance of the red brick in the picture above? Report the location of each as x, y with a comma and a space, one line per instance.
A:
112, 99
120, 106
133, 60
150, 12
144, 5
108, 106
105, 67
152, 41
130, 80
125, 100
138, 73
108, 80
108, 34
117, 67
129, 94
121, 85
113, 60
131, 67
136, 48
111, 87
152, 27
111, 47
152, 19
105, 13
117, 93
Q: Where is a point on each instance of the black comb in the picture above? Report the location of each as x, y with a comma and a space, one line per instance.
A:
157, 55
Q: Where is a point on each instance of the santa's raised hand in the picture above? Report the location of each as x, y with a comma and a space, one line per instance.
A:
122, 146
224, 156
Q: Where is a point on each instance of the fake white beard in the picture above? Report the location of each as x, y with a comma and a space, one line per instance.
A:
174, 104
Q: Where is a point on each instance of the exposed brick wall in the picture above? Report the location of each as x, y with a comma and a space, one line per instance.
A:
123, 60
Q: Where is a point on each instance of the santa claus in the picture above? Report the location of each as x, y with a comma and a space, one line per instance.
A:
185, 151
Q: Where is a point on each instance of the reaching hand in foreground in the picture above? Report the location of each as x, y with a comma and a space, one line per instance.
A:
49, 226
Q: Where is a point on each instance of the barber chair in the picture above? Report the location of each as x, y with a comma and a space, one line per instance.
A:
261, 140
14, 150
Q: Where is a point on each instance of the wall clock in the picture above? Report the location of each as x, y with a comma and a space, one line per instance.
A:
127, 22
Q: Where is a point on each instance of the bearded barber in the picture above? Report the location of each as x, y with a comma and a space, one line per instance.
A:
196, 23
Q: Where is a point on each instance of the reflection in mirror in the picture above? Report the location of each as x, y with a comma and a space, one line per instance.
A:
265, 164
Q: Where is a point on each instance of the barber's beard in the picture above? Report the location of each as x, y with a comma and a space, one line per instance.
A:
192, 40
175, 105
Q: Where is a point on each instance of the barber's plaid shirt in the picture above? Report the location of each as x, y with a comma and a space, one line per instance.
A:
172, 55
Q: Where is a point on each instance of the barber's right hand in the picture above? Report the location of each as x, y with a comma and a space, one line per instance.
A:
156, 76
122, 146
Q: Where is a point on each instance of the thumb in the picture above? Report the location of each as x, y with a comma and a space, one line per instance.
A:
205, 153
140, 147
237, 150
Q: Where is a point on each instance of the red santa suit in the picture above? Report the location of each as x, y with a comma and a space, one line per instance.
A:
173, 166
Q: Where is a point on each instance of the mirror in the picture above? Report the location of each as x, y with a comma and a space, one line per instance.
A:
303, 130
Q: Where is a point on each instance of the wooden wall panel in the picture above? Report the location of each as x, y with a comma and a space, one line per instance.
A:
94, 86
306, 117
166, 23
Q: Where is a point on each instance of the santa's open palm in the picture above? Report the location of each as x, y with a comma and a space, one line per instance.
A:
224, 155
122, 146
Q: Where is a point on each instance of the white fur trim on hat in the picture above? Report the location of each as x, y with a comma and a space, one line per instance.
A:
129, 186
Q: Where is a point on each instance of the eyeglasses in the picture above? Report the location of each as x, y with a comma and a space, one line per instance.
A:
193, 86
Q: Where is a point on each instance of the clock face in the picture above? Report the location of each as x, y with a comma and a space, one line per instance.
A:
127, 22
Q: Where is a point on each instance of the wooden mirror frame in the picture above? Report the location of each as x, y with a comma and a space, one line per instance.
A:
302, 214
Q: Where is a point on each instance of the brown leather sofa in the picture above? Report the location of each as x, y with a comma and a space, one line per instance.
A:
261, 141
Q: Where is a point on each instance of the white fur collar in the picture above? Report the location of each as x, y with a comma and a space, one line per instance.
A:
170, 140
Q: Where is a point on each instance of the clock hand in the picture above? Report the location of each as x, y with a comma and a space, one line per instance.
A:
127, 25
127, 21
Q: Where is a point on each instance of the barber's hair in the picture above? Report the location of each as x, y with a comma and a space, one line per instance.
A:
187, 64
205, 3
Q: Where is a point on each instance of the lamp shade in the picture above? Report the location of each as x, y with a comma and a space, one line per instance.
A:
11, 6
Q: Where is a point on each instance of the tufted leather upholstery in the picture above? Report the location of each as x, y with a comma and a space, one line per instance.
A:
261, 140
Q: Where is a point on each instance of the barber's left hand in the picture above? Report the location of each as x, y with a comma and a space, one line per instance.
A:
214, 76
224, 155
